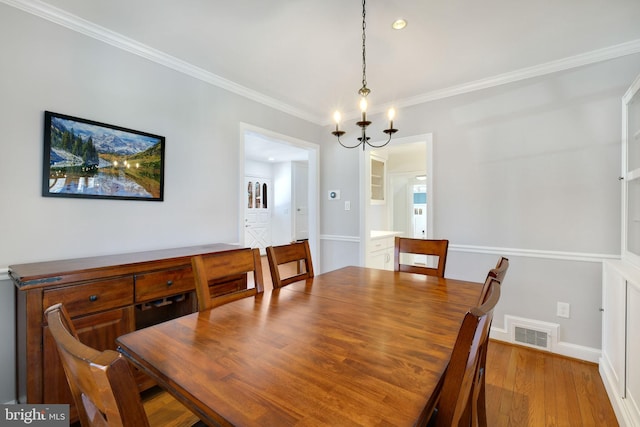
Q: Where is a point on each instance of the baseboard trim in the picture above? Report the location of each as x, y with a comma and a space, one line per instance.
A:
561, 348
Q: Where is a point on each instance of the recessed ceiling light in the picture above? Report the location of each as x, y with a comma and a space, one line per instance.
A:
399, 24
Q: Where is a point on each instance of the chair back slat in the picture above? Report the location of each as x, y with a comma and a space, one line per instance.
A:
208, 268
297, 252
427, 247
101, 382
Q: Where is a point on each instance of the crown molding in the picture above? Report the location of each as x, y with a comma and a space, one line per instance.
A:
592, 57
90, 29
599, 55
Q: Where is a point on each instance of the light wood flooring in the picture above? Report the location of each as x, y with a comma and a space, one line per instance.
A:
525, 387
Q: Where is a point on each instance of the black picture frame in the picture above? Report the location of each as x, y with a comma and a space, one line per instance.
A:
92, 160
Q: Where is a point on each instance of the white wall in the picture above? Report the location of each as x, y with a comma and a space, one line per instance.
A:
47, 67
528, 170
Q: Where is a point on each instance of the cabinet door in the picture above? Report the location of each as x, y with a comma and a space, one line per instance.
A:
98, 331
613, 324
631, 172
378, 181
376, 260
633, 351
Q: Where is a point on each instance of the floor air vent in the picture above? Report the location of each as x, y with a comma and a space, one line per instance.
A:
531, 337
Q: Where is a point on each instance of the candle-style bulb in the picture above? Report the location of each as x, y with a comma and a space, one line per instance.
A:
391, 114
363, 108
337, 118
363, 105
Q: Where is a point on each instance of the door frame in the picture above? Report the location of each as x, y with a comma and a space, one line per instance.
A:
365, 189
313, 151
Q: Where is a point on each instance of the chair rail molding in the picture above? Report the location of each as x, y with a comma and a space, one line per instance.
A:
534, 253
493, 250
339, 238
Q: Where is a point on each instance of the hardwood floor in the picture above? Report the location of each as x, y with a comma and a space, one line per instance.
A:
165, 411
525, 387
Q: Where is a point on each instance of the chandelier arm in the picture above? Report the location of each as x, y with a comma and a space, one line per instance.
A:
379, 146
347, 146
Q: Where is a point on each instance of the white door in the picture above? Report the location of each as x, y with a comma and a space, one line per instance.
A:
257, 213
301, 200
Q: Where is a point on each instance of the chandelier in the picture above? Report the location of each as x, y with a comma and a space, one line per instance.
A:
363, 92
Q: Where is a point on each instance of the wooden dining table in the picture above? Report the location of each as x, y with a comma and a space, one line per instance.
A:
354, 346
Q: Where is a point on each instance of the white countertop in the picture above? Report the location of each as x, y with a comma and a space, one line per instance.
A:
381, 234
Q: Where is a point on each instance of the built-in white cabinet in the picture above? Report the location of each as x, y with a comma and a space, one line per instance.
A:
631, 173
380, 254
380, 249
620, 360
378, 180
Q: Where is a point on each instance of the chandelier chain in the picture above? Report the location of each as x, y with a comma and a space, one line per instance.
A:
364, 140
364, 48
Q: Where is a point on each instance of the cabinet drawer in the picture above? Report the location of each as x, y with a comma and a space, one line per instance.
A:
160, 284
381, 244
92, 297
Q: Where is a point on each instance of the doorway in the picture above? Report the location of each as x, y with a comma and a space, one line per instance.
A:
407, 209
290, 166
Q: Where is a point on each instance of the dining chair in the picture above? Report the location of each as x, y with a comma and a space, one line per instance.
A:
454, 407
210, 267
427, 247
102, 384
478, 402
297, 252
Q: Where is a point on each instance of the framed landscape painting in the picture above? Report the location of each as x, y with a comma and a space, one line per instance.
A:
87, 159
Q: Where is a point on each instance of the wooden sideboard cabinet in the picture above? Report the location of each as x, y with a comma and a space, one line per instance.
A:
106, 297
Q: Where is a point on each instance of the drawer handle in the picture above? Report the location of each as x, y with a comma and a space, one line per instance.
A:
169, 282
93, 298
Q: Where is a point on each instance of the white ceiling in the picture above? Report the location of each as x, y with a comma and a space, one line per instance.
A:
305, 55
264, 149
